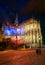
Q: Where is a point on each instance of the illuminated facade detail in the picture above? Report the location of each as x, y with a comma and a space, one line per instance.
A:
28, 32
32, 33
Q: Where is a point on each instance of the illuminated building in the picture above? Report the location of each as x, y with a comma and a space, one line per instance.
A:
29, 32
32, 33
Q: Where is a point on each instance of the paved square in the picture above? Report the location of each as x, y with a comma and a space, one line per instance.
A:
21, 57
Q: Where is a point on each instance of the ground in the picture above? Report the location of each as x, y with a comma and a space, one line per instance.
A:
22, 57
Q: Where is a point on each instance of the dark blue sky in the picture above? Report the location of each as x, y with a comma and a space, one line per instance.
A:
25, 9
8, 9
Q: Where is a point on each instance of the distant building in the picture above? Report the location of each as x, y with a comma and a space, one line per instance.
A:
30, 32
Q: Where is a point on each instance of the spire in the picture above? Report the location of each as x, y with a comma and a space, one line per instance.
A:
16, 20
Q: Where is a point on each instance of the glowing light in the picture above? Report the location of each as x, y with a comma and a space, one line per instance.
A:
21, 30
18, 31
8, 32
13, 40
18, 37
31, 26
39, 38
19, 42
13, 31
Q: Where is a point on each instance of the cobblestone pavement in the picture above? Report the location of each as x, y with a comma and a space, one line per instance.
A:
21, 57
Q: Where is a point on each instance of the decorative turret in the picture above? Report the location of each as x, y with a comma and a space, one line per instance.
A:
16, 20
3, 24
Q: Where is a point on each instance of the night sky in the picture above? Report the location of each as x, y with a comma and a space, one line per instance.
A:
25, 10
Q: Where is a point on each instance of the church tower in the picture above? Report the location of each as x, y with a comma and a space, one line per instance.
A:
16, 21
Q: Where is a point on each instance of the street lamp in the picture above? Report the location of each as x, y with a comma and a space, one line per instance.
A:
39, 44
38, 51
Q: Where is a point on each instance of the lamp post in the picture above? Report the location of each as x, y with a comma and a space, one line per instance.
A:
16, 41
39, 45
16, 37
38, 51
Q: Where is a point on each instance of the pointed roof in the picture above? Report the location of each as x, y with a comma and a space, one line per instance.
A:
16, 20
